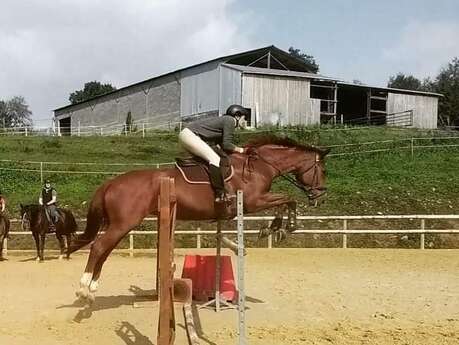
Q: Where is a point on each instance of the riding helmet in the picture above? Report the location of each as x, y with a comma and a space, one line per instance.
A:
237, 110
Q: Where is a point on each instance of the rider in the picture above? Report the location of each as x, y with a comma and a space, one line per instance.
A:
48, 198
197, 136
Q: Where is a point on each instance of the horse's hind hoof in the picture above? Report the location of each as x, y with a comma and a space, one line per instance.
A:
264, 233
91, 298
280, 236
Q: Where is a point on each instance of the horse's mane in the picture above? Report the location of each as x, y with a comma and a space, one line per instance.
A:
270, 139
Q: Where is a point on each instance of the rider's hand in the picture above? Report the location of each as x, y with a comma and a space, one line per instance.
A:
240, 149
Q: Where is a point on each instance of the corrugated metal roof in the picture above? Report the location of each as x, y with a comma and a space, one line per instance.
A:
389, 89
260, 51
277, 72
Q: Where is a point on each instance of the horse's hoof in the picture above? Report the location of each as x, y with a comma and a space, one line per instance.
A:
82, 293
264, 233
37, 258
280, 236
91, 298
61, 257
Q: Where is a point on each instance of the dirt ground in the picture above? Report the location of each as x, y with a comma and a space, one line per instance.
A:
294, 296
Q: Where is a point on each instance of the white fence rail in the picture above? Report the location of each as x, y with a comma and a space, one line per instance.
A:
344, 230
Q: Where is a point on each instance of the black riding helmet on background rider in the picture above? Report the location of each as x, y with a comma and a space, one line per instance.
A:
240, 113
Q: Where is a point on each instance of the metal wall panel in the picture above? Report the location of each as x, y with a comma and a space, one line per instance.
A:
230, 88
425, 108
280, 100
199, 89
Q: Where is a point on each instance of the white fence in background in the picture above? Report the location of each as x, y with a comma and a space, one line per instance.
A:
410, 144
345, 229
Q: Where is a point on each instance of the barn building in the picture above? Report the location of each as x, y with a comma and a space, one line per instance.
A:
278, 89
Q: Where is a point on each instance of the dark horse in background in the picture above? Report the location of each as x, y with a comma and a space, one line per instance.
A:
34, 218
4, 230
123, 202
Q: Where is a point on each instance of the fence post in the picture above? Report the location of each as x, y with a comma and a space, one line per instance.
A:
25, 131
412, 148
344, 234
125, 129
143, 130
79, 130
41, 172
270, 241
198, 238
131, 245
101, 131
423, 236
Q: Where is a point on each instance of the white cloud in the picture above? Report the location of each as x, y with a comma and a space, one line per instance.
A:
51, 48
423, 48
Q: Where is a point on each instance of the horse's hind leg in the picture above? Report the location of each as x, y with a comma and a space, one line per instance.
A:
2, 239
68, 238
100, 249
60, 238
42, 247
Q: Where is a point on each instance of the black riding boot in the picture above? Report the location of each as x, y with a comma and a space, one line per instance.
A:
217, 182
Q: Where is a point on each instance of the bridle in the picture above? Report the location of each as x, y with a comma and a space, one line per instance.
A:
308, 190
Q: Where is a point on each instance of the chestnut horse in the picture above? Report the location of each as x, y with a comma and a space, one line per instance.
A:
123, 202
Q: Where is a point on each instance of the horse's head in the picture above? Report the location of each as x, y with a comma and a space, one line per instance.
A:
28, 215
286, 156
310, 173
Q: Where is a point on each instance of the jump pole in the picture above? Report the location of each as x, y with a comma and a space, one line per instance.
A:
217, 301
240, 268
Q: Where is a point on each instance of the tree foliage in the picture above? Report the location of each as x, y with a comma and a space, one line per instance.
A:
15, 112
447, 83
90, 90
307, 59
406, 82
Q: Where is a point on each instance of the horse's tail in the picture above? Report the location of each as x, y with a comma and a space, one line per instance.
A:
94, 221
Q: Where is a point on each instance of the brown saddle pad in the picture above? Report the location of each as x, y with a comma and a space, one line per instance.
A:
196, 171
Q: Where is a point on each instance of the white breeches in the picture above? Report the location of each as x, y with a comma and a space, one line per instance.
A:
195, 145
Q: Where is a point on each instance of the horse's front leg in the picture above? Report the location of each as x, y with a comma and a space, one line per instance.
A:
270, 200
36, 237
291, 220
42, 247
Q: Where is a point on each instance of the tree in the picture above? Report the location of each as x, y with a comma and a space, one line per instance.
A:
90, 90
307, 59
15, 113
406, 82
447, 83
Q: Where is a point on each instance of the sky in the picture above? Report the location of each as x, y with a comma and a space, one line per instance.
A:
50, 48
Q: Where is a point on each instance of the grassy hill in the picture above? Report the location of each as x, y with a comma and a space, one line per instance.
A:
388, 182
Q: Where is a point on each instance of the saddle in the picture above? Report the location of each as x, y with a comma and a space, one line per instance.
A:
196, 170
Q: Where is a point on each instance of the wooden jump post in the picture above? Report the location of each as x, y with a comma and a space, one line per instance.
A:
166, 286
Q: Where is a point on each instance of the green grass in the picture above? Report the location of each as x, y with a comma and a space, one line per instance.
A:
388, 182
